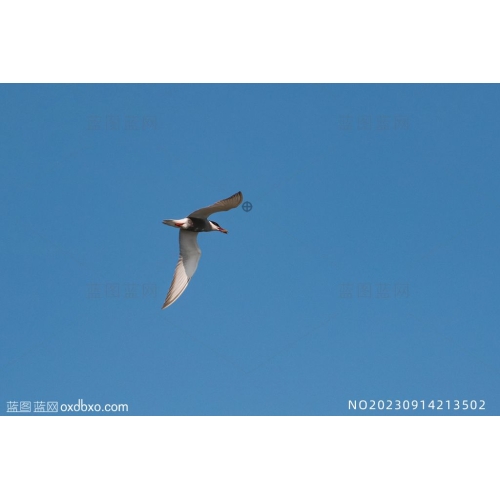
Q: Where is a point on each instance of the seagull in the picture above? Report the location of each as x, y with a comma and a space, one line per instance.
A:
190, 252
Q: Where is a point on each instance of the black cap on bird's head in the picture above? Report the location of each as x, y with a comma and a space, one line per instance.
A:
216, 227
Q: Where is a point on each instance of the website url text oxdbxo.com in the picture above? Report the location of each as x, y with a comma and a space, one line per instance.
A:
81, 406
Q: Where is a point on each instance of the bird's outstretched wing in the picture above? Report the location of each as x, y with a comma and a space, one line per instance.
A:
220, 206
186, 265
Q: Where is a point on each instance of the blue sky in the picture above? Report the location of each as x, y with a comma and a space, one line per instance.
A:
367, 268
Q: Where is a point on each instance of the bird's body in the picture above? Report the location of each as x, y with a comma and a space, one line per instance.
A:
190, 252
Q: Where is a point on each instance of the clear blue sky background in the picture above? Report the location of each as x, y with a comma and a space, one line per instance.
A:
367, 269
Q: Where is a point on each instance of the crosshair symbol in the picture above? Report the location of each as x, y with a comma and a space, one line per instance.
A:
247, 206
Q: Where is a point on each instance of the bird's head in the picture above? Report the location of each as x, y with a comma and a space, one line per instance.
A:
216, 227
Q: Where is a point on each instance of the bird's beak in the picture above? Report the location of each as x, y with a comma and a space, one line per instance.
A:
223, 230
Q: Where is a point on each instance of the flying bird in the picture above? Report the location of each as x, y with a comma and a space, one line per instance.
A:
190, 252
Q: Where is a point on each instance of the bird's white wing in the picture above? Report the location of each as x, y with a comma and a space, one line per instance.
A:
186, 265
220, 206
